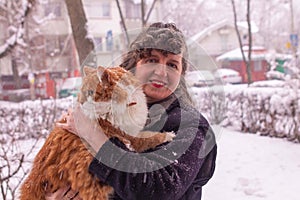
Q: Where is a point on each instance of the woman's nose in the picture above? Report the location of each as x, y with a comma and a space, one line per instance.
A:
160, 69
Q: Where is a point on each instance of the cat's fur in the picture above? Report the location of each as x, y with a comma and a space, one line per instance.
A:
114, 98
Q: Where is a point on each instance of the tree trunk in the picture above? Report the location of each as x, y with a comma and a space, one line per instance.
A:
249, 43
15, 71
247, 62
84, 44
143, 13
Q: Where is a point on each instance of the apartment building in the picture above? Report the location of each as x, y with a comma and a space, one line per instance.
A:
50, 54
49, 36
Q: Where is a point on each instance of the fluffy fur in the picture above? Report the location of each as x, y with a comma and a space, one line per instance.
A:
113, 98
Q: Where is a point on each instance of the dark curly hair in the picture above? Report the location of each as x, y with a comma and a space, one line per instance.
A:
163, 37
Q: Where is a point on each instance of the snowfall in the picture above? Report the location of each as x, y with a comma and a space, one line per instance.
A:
249, 166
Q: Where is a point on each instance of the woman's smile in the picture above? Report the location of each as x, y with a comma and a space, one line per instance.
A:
157, 84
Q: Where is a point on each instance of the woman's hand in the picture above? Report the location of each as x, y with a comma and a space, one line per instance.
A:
79, 124
66, 122
63, 194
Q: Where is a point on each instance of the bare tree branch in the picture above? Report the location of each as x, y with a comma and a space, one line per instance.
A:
123, 22
11, 174
150, 11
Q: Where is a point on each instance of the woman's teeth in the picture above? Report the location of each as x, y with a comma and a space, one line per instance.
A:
157, 83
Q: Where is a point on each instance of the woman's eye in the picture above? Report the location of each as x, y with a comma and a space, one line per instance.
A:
172, 65
151, 60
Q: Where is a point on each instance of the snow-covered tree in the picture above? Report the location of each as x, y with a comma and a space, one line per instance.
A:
13, 14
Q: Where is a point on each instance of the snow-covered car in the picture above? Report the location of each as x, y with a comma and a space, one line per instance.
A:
199, 78
228, 76
70, 87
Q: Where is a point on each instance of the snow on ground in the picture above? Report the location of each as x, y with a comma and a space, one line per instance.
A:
253, 167
250, 167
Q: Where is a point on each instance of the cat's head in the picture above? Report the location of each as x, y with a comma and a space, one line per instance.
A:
116, 95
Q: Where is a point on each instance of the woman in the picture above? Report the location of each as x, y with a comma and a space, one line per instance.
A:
177, 170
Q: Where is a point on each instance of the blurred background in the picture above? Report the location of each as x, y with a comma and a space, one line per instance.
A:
243, 75
44, 42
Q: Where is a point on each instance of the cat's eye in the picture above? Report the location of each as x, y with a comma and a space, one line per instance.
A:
90, 92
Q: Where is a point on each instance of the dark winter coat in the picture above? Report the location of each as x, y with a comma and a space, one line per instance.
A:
176, 170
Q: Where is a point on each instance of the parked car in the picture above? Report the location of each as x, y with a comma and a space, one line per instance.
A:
199, 78
228, 76
70, 87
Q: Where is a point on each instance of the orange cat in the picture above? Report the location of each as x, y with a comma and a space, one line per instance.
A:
114, 98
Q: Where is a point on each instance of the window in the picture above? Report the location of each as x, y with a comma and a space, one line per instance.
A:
37, 50
257, 66
109, 41
3, 12
3, 33
106, 9
98, 43
52, 46
98, 10
56, 44
133, 11
224, 42
53, 8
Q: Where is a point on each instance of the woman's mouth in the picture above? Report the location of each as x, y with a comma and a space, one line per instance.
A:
157, 84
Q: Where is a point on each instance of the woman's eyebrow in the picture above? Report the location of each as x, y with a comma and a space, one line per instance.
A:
173, 60
153, 55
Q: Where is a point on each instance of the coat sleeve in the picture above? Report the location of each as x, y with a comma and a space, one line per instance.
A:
164, 173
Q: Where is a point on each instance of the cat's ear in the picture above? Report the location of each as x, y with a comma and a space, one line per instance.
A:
88, 70
100, 72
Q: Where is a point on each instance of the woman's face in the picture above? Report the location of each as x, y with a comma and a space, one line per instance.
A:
159, 74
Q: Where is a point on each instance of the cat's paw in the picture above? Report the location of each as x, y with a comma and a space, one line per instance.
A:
169, 136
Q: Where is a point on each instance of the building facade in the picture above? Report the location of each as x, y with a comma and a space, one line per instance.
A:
50, 46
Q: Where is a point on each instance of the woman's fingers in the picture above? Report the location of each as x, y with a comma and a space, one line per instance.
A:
58, 195
65, 193
71, 194
68, 125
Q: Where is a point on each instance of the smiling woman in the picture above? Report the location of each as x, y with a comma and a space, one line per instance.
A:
159, 74
174, 170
